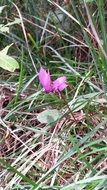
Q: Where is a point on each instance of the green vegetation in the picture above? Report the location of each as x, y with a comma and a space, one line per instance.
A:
56, 140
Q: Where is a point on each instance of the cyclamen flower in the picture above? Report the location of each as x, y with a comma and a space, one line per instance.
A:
45, 80
51, 86
59, 84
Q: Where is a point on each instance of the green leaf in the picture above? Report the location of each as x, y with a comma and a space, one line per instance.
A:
8, 63
4, 28
16, 21
1, 8
5, 50
49, 116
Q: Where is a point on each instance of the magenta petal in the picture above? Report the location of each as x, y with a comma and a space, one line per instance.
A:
45, 80
59, 84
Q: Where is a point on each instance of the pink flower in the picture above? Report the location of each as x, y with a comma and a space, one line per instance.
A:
59, 84
51, 86
45, 80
